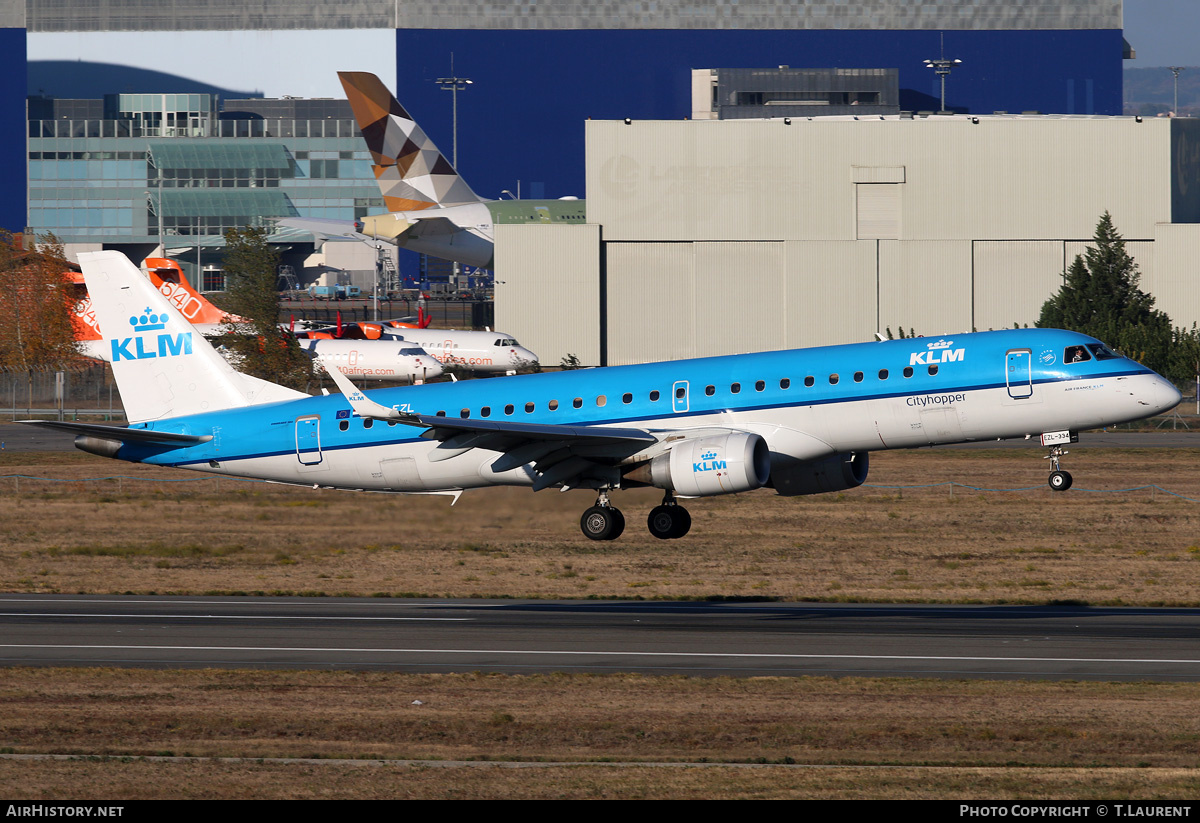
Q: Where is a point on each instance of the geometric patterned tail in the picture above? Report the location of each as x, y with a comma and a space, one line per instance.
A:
412, 174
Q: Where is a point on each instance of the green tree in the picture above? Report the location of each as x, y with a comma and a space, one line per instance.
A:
263, 349
1100, 296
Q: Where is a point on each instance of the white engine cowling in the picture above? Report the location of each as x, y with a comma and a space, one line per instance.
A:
831, 474
719, 464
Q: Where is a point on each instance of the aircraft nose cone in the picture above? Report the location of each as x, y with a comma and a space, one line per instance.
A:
1165, 395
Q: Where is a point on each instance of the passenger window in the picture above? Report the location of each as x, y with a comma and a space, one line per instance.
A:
577, 402
654, 396
833, 378
785, 383
627, 398
760, 385
508, 409
529, 407
553, 405
933, 369
883, 374
908, 372
465, 413
344, 425
734, 388
858, 377
680, 392
368, 423
1076, 354
441, 413
601, 400
809, 381
710, 390
486, 411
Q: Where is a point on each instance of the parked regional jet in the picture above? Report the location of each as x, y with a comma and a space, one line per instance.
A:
431, 209
480, 352
375, 359
800, 422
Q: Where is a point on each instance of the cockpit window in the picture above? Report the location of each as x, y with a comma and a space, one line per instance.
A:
1102, 351
1076, 354
412, 352
505, 341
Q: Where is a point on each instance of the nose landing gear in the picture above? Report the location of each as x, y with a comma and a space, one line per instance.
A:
1059, 480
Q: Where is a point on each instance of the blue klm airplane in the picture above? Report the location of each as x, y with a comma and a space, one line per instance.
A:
798, 422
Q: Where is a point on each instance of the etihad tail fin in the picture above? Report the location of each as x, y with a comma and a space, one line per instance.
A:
412, 173
162, 365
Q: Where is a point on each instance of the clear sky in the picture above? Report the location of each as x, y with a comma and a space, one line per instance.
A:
1163, 32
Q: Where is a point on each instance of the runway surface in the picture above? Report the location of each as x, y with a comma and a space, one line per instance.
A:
16, 437
990, 642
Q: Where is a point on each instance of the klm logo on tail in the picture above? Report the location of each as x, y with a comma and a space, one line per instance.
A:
161, 345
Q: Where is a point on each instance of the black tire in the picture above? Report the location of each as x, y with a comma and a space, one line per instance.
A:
668, 522
661, 522
683, 522
602, 523
1060, 481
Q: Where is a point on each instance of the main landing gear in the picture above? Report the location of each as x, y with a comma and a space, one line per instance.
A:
1059, 480
604, 521
669, 520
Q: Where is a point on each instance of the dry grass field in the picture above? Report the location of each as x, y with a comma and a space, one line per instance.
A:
347, 734
925, 543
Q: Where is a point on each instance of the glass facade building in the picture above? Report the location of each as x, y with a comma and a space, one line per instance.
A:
178, 170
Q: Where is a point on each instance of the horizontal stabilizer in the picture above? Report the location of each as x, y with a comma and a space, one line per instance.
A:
125, 435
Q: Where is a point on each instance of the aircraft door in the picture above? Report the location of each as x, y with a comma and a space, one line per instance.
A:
308, 440
1019, 373
679, 396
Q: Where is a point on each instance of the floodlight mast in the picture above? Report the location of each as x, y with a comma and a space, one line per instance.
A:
942, 67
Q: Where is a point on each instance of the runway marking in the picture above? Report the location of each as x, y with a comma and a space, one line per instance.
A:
225, 616
541, 652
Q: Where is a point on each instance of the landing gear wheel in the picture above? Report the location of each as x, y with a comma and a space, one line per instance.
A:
1060, 481
602, 523
669, 521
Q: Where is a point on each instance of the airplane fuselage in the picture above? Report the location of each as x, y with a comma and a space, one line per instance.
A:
807, 404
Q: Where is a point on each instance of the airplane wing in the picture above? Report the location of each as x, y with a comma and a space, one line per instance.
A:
122, 433
560, 454
324, 227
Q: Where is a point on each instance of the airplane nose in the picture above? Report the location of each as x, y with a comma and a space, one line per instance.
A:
1165, 396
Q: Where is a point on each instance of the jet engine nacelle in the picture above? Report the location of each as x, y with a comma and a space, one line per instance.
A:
829, 474
718, 464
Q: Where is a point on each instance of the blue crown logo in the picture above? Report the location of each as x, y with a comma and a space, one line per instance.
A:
148, 321
941, 344
708, 455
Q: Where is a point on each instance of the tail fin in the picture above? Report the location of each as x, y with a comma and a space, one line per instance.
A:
162, 365
168, 278
412, 173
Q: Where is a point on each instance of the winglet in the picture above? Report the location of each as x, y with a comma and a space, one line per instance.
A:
364, 406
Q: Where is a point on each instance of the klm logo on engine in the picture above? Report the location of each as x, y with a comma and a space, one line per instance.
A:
709, 462
939, 352
144, 346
